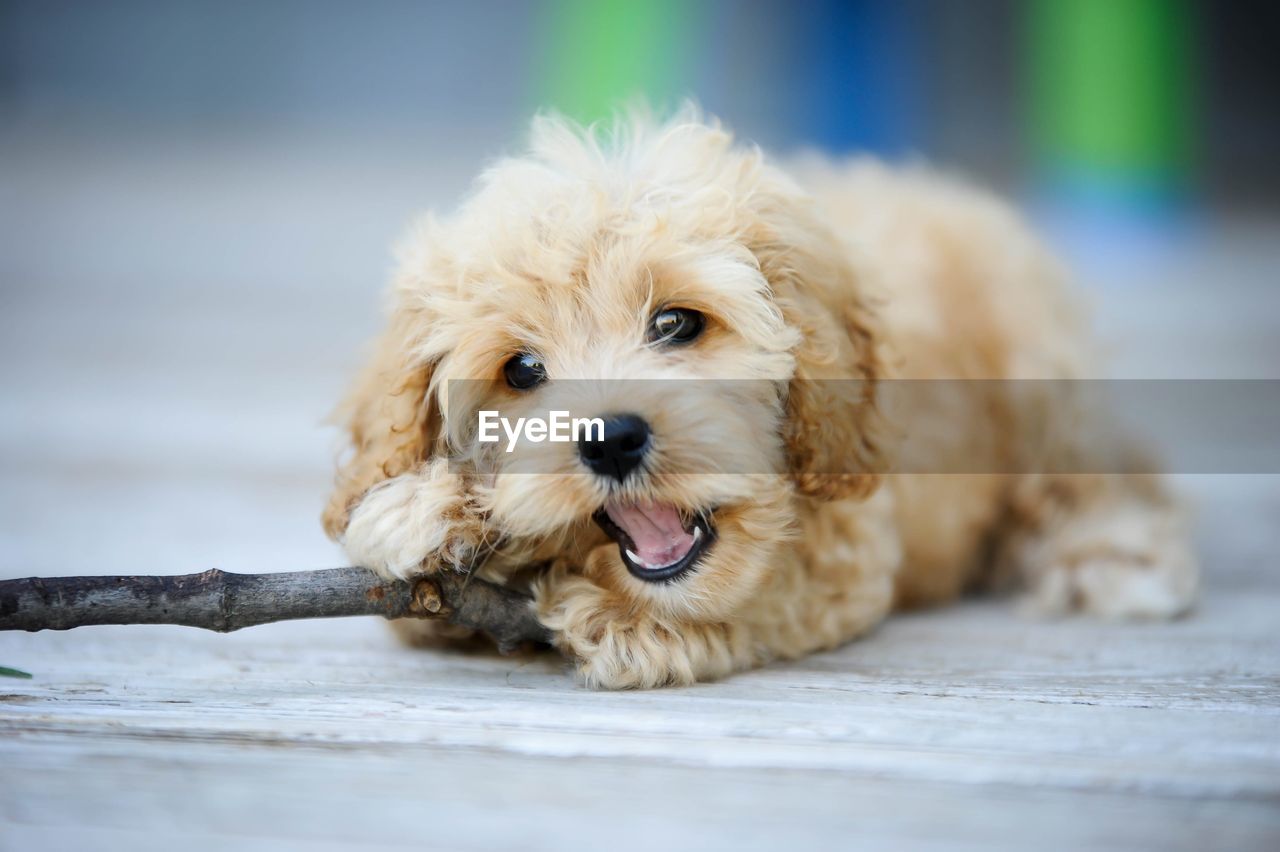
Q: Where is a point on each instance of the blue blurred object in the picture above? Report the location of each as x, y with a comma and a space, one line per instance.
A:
858, 70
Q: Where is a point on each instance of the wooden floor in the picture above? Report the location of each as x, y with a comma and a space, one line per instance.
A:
159, 411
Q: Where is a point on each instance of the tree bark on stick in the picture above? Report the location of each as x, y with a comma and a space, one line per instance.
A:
221, 601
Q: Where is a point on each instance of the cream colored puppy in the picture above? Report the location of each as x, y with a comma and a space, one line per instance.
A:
755, 488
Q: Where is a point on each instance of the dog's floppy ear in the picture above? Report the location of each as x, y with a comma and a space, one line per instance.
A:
834, 429
390, 415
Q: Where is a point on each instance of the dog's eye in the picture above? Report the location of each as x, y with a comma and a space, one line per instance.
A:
676, 325
524, 371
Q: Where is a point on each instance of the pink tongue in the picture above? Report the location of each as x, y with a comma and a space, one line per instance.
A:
655, 530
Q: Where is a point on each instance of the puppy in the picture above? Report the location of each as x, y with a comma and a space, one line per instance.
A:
752, 488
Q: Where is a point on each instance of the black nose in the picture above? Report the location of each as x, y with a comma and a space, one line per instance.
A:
624, 443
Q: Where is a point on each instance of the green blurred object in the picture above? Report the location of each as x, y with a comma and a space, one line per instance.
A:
5, 671
1112, 90
602, 53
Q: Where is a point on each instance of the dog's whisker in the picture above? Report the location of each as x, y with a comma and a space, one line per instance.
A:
486, 548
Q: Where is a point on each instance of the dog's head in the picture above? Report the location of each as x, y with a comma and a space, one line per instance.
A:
677, 292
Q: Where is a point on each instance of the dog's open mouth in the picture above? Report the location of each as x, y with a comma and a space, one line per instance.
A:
658, 542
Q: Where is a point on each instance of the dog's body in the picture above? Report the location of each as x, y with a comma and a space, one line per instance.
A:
766, 495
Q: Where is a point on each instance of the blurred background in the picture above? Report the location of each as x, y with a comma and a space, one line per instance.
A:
197, 200
1148, 100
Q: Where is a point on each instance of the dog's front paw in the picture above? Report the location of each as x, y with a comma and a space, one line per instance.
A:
620, 647
413, 524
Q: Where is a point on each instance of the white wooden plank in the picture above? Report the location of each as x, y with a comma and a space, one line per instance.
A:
205, 794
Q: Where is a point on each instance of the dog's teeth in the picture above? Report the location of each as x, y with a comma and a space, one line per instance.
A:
649, 566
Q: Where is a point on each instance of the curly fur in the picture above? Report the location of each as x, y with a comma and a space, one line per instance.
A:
828, 271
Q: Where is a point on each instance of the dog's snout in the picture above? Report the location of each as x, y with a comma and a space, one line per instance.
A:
622, 446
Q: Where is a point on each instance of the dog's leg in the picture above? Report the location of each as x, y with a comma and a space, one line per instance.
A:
415, 523
621, 646
831, 584
1114, 545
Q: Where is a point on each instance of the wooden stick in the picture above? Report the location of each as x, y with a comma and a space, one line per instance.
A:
221, 601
